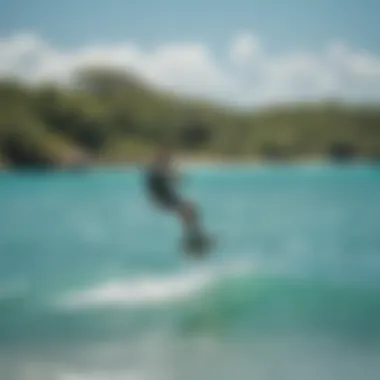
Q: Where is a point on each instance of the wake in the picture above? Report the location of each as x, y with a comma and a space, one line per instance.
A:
153, 290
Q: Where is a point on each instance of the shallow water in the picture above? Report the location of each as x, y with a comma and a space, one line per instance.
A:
93, 284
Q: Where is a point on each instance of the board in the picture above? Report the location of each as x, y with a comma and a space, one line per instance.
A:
199, 244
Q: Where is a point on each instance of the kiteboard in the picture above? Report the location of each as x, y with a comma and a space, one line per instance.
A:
199, 244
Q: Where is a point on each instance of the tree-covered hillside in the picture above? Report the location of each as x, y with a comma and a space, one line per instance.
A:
110, 117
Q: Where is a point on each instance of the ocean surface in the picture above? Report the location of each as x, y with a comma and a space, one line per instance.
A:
94, 285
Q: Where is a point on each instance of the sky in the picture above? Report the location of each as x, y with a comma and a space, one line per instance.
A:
244, 52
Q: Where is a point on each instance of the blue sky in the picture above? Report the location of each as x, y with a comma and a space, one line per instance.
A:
282, 24
247, 51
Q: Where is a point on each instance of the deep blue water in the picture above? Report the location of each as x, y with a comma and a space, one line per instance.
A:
93, 283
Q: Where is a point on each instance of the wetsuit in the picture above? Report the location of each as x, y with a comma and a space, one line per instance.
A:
161, 188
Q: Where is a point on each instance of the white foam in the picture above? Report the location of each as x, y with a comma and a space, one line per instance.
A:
152, 290
140, 291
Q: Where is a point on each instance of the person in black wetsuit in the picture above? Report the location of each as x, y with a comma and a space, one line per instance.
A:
161, 184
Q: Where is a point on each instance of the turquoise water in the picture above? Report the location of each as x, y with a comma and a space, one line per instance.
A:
93, 284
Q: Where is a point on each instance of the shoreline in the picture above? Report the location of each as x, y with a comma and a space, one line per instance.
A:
188, 162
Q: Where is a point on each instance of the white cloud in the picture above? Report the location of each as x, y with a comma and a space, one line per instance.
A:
244, 48
249, 75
